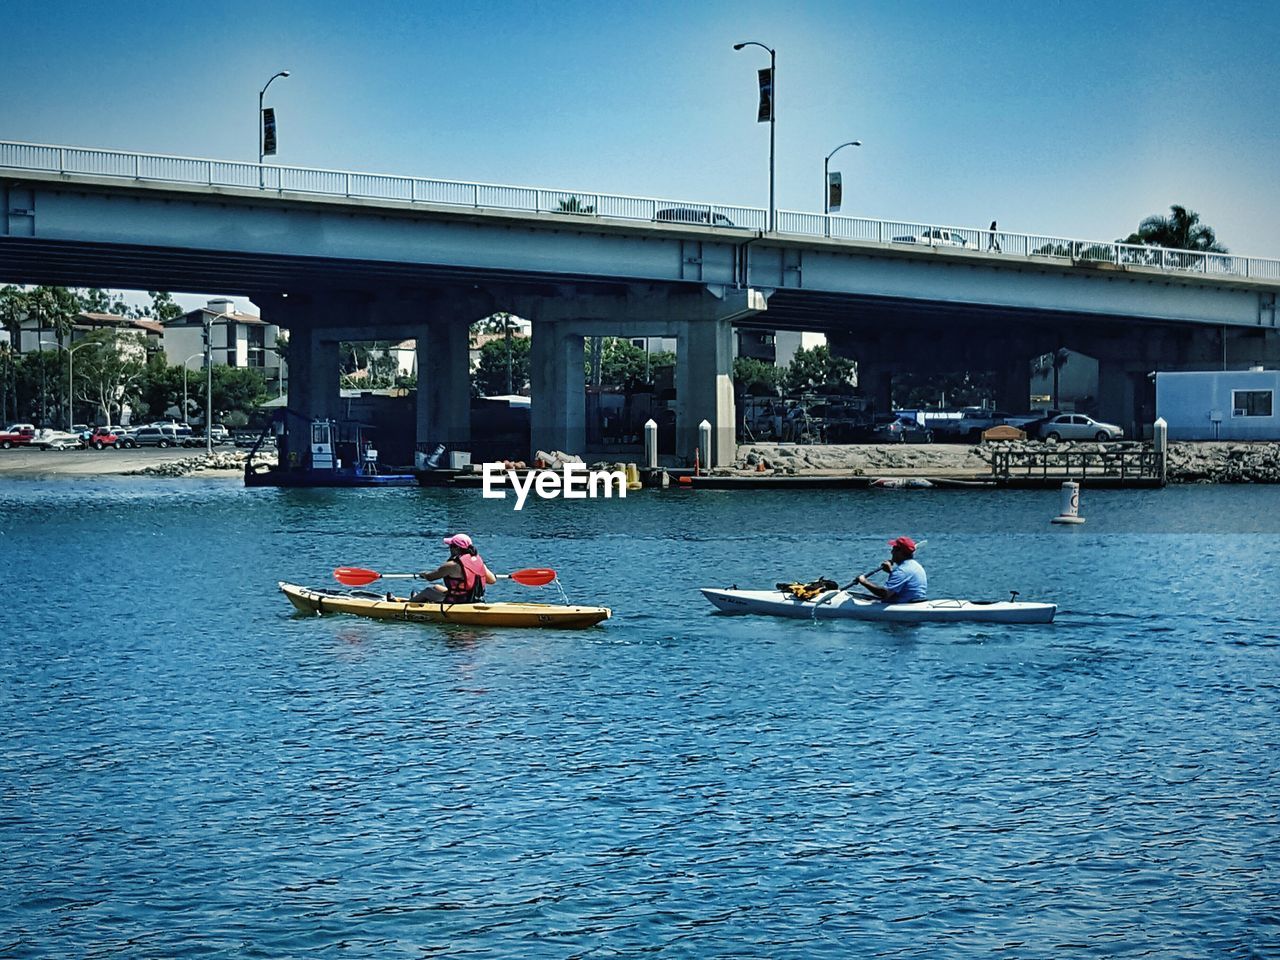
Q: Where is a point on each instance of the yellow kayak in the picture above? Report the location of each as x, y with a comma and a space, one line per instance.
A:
376, 606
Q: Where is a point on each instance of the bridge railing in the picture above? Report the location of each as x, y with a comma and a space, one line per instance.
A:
371, 186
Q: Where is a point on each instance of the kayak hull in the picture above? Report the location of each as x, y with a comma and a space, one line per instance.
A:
376, 607
845, 606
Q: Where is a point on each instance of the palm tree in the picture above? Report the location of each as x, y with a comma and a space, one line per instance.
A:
1181, 230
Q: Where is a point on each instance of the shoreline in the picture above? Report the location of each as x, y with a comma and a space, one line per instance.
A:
1224, 462
117, 464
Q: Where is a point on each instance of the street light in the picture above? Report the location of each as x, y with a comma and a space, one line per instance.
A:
228, 317
826, 176
71, 359
184, 382
262, 93
773, 112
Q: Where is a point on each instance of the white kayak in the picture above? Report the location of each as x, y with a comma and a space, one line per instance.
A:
848, 606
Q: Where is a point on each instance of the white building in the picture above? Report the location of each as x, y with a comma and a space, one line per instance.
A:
32, 332
238, 339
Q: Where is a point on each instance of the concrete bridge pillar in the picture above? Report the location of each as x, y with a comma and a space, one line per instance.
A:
875, 383
313, 391
444, 383
1118, 394
704, 388
557, 383
1013, 385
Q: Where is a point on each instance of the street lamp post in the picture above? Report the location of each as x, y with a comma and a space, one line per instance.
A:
773, 113
71, 359
184, 383
826, 176
209, 321
262, 93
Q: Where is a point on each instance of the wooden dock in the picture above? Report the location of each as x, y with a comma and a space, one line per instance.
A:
1135, 465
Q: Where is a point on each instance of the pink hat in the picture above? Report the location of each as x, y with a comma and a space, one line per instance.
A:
459, 540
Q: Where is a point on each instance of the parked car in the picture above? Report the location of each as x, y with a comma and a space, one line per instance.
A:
57, 440
17, 434
1076, 426
152, 436
901, 430
117, 438
690, 215
934, 237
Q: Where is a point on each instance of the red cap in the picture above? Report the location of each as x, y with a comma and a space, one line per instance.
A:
906, 543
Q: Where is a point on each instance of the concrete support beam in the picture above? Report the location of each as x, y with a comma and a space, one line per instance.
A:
444, 383
558, 388
1118, 393
313, 391
704, 388
1013, 384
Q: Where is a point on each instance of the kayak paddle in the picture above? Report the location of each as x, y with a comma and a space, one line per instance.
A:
360, 577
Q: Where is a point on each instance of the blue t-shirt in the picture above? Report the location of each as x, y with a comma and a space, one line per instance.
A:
907, 583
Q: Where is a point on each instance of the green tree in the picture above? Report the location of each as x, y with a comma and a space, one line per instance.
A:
281, 347
490, 377
756, 377
109, 375
161, 387
622, 362
163, 306
38, 384
240, 389
53, 308
576, 205
13, 310
96, 300
1181, 230
965, 389
816, 369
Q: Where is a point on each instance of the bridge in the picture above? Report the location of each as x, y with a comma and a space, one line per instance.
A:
337, 255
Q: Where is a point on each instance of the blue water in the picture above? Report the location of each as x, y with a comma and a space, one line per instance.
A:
190, 770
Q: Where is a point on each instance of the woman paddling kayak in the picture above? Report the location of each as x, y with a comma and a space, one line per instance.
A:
464, 575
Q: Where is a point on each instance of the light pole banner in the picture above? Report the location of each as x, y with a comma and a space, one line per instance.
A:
834, 191
765, 113
269, 132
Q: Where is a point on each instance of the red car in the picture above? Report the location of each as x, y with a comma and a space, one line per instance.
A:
19, 434
109, 437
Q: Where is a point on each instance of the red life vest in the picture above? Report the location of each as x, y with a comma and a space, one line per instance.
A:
470, 586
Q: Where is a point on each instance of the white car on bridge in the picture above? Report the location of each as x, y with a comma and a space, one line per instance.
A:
934, 237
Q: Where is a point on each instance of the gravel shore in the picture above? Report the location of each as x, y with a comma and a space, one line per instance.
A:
1205, 462
225, 463
1218, 462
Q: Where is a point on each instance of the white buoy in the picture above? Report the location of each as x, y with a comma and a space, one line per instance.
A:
651, 444
1070, 509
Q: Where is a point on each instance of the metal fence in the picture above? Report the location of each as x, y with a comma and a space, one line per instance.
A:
488, 196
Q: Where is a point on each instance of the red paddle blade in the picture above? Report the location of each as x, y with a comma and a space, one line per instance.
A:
355, 576
534, 576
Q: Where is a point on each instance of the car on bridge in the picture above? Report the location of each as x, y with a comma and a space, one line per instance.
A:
934, 237
690, 215
1076, 426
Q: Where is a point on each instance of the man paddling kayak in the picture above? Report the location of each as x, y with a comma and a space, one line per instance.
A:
464, 575
907, 582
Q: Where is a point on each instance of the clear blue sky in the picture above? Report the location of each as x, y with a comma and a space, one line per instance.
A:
1070, 119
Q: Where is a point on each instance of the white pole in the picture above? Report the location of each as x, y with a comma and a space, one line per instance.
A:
651, 444
704, 443
1160, 442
